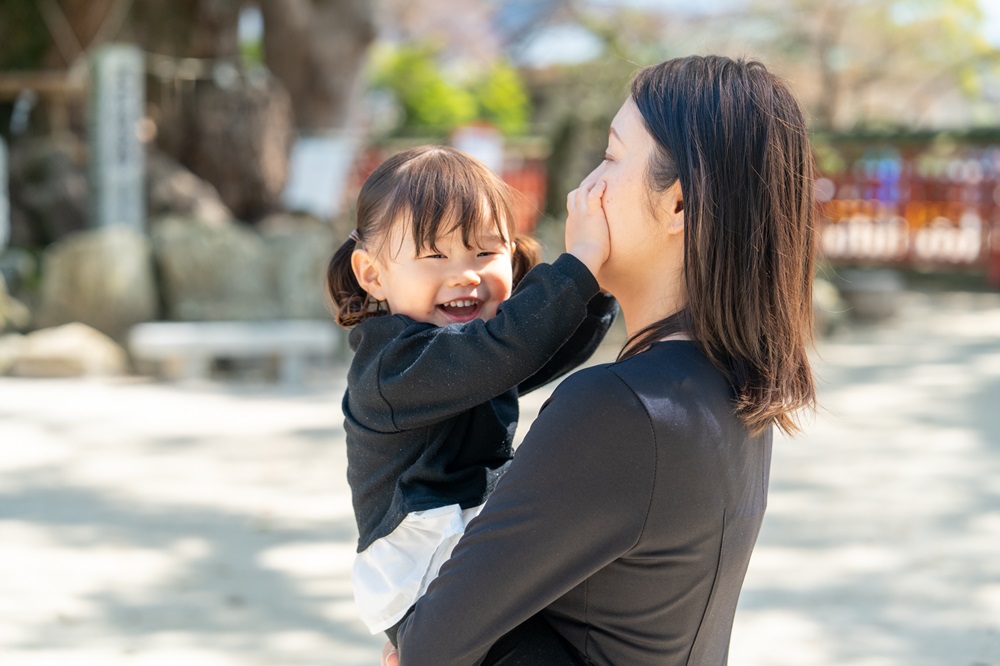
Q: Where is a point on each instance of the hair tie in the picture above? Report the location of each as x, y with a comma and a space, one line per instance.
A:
355, 237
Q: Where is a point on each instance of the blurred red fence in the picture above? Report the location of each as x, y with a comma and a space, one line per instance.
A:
916, 203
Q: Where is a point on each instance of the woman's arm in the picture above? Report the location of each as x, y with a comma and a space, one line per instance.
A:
406, 374
573, 500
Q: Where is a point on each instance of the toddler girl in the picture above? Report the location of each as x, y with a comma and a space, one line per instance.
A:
450, 325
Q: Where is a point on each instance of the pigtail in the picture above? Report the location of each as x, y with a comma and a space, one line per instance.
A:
527, 253
351, 302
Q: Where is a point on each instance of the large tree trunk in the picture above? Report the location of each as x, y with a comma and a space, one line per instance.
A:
317, 49
187, 28
228, 126
238, 138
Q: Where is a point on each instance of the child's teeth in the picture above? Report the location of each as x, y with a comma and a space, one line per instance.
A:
460, 304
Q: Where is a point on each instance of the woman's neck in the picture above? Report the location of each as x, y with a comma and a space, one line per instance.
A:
651, 297
641, 310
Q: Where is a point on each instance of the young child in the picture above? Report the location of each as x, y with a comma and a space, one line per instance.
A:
449, 327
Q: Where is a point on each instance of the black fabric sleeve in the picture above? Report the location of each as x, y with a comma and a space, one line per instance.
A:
574, 499
408, 374
581, 346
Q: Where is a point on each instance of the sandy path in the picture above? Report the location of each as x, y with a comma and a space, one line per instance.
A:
143, 523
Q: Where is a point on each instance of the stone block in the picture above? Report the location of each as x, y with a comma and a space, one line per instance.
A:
213, 272
871, 294
73, 350
298, 253
10, 347
102, 278
14, 315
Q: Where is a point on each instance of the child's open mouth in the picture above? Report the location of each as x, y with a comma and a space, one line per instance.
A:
462, 309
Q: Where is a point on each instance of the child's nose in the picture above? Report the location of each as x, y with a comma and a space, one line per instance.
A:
465, 276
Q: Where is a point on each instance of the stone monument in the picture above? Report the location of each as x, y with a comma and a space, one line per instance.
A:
116, 152
4, 198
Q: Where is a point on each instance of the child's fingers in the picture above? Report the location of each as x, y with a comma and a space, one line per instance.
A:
594, 196
576, 200
579, 199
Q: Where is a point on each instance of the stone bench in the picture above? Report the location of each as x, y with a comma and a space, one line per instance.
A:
192, 346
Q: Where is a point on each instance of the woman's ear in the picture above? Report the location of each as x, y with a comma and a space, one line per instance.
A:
368, 273
675, 206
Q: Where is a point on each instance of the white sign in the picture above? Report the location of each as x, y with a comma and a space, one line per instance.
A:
318, 172
117, 160
4, 198
482, 142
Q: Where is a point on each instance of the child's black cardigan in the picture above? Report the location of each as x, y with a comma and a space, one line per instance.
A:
430, 412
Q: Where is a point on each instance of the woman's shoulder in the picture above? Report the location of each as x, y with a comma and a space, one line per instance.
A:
667, 373
676, 375
597, 389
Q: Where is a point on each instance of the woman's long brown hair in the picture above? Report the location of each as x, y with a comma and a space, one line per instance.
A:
733, 134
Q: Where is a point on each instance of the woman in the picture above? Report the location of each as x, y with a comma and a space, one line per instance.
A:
625, 523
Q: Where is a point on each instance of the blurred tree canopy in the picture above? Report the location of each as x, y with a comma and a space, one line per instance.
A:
856, 65
24, 39
864, 63
317, 49
876, 61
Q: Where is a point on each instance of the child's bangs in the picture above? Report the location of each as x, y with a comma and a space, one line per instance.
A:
453, 192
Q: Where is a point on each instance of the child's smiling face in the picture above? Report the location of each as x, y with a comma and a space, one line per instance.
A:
447, 285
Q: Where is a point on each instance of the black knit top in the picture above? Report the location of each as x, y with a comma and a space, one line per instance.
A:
627, 518
430, 412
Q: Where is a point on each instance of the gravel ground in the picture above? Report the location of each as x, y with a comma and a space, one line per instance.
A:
147, 523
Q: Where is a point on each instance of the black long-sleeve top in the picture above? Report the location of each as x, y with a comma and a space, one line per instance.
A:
430, 412
628, 515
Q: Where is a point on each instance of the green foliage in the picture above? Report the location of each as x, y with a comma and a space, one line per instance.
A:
24, 39
503, 100
434, 103
252, 53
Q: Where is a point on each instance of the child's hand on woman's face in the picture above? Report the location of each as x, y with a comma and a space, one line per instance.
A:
587, 236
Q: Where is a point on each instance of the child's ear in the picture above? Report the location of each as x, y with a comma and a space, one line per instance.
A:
368, 274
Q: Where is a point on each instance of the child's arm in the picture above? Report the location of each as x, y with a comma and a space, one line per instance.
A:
408, 374
587, 238
581, 346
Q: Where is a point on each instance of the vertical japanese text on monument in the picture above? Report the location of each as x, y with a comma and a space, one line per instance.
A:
4, 198
117, 161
